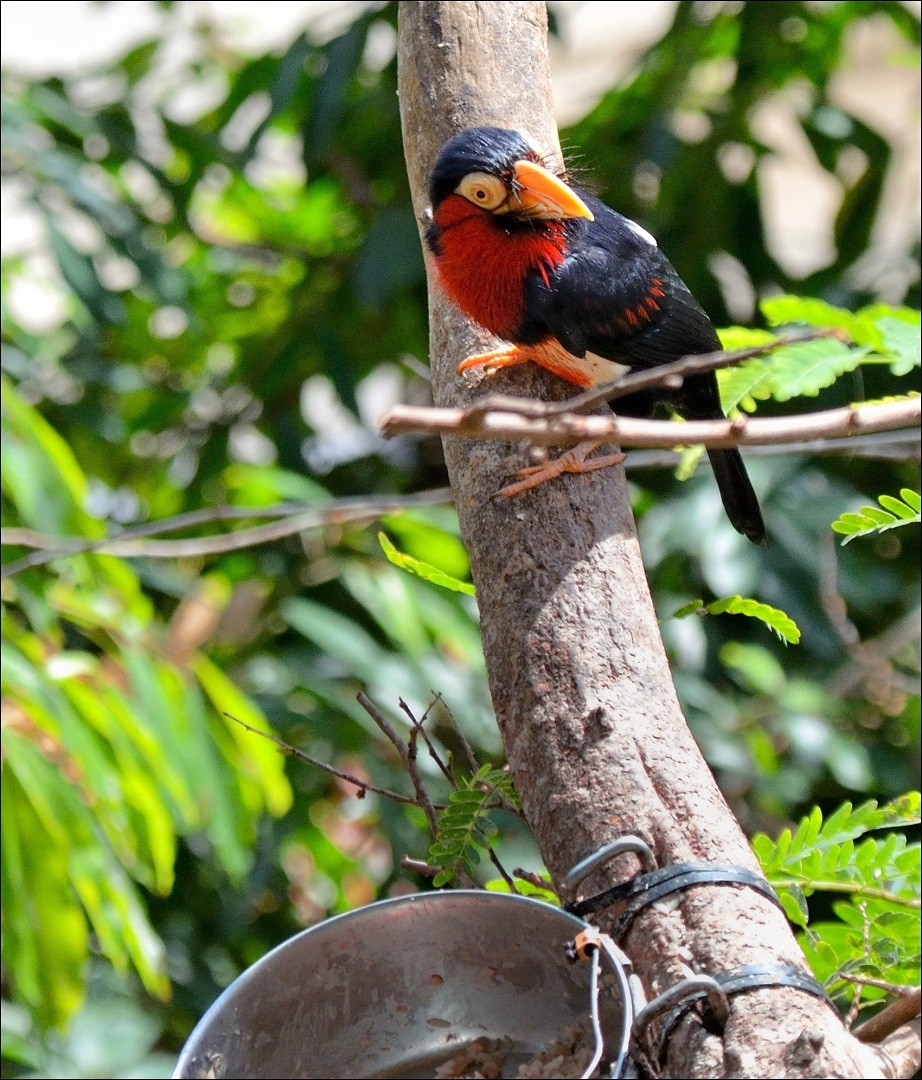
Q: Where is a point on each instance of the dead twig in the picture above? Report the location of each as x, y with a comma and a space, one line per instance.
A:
422, 796
534, 879
494, 858
433, 753
131, 543
417, 866
468, 749
293, 751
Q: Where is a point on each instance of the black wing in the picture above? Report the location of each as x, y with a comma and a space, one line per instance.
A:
617, 295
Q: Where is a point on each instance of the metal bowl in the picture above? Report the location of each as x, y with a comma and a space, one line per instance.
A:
396, 988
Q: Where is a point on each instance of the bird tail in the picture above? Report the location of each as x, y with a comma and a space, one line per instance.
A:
737, 494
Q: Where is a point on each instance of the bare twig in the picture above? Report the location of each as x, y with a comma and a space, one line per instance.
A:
885, 686
433, 753
422, 796
900, 989
494, 858
417, 866
504, 801
902, 445
852, 1015
570, 428
130, 544
468, 749
293, 751
894, 1016
534, 879
671, 376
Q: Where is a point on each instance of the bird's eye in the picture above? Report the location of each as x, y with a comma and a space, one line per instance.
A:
482, 189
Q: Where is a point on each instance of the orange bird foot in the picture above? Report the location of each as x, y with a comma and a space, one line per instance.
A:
495, 359
573, 461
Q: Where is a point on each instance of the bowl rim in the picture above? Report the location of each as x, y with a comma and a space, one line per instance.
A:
410, 900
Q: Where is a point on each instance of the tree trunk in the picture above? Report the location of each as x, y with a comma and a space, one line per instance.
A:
580, 682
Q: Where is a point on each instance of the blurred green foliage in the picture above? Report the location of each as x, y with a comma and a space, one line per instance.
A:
241, 294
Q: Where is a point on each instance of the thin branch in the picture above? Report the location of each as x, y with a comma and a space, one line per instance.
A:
847, 887
854, 673
670, 376
900, 989
468, 749
568, 429
293, 751
417, 866
422, 796
505, 803
902, 445
494, 858
534, 879
894, 1016
852, 1015
418, 727
130, 544
884, 685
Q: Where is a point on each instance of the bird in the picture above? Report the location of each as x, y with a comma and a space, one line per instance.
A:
572, 285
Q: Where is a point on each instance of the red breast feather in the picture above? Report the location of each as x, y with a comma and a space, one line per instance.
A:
483, 261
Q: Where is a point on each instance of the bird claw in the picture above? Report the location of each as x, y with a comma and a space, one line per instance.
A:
573, 461
493, 360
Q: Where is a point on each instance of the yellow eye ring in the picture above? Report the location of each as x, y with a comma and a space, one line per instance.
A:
483, 190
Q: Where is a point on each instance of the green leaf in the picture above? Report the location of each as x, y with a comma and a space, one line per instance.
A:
876, 878
773, 618
257, 758
869, 520
689, 456
40, 471
902, 339
802, 370
805, 368
758, 669
734, 338
781, 310
45, 934
695, 607
794, 904
105, 892
526, 888
464, 829
906, 810
431, 536
421, 569
740, 386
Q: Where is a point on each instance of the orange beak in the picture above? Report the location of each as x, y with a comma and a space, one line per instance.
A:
541, 195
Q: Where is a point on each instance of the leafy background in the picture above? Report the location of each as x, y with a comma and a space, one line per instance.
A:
241, 296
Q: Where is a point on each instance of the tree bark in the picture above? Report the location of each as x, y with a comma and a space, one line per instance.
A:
580, 681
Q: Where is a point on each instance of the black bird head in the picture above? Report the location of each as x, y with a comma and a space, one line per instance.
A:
502, 172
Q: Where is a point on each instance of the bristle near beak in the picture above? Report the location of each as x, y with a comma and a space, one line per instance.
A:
540, 194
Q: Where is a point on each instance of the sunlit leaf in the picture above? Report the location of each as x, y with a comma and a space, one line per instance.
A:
421, 569
774, 619
869, 519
